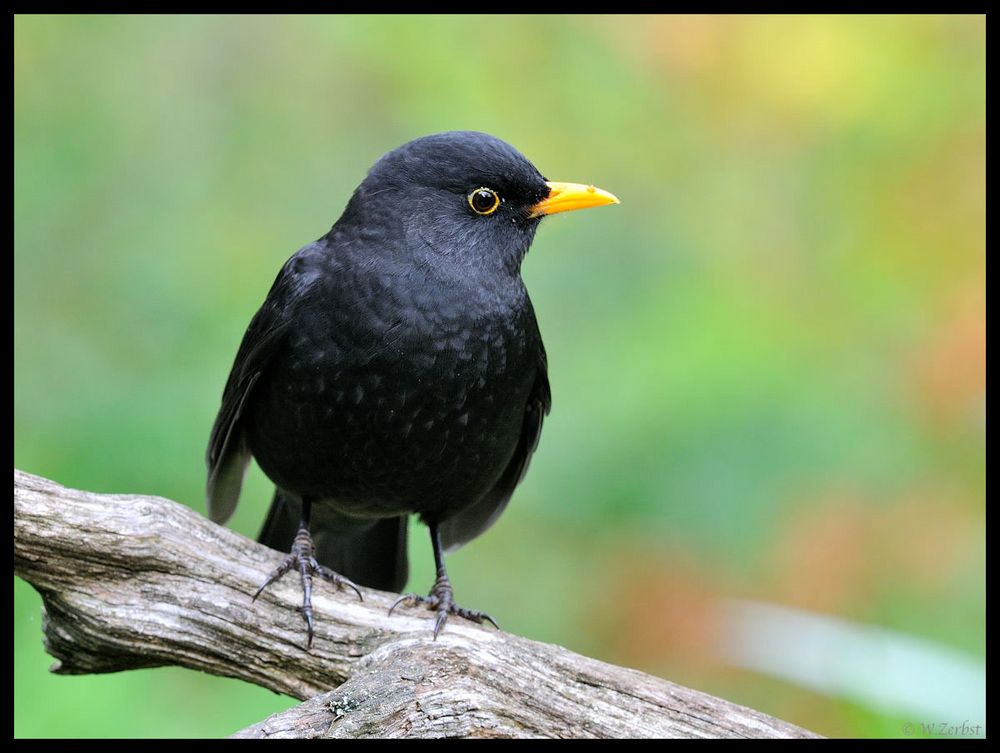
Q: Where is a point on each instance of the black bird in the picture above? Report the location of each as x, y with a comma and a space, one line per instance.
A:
396, 367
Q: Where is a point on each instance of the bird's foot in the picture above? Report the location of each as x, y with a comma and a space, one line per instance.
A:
442, 600
302, 558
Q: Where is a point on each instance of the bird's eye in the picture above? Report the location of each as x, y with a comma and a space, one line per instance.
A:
484, 201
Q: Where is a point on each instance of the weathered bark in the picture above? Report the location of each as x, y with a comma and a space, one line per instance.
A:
132, 581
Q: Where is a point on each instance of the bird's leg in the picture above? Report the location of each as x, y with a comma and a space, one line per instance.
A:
442, 597
303, 559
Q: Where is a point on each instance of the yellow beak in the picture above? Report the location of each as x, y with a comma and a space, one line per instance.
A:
564, 197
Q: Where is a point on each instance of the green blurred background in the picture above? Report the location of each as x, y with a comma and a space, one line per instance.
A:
768, 363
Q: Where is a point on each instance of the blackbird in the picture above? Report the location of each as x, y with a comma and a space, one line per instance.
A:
396, 367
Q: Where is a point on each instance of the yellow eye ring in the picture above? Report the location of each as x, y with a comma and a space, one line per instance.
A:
484, 200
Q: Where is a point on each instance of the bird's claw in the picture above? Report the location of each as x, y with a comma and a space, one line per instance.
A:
302, 559
441, 600
295, 561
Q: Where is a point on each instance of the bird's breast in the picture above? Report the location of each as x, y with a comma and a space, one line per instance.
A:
414, 403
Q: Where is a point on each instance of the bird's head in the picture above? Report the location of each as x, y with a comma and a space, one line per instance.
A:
467, 196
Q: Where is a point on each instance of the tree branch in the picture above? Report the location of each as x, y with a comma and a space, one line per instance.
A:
131, 581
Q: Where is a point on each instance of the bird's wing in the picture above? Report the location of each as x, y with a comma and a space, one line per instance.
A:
228, 455
473, 520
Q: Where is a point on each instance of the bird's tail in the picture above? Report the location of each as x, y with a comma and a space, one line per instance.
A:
373, 556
